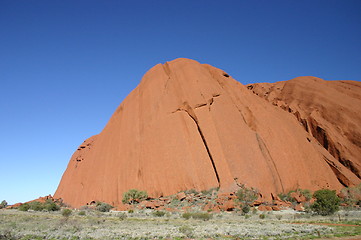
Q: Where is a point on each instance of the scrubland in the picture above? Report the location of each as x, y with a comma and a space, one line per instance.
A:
148, 224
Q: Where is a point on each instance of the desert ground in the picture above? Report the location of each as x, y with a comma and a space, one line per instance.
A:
150, 224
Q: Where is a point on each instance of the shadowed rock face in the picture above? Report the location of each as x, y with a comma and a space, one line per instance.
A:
330, 111
192, 126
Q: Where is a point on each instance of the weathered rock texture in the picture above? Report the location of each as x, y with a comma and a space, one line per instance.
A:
330, 111
190, 125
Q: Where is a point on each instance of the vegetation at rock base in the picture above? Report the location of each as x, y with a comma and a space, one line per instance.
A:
24, 207
245, 197
158, 213
103, 207
326, 202
352, 195
141, 224
48, 205
287, 197
134, 196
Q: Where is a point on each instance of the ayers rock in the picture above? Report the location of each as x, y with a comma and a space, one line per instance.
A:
192, 126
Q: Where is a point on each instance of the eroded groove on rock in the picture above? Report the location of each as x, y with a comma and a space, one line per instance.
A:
204, 143
323, 138
269, 158
340, 177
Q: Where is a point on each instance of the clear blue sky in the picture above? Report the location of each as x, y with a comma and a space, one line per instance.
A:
66, 65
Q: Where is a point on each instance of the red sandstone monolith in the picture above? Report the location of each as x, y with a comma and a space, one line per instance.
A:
192, 126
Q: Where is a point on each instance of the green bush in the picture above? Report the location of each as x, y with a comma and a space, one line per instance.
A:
82, 213
287, 196
247, 195
351, 195
186, 215
202, 216
307, 193
36, 206
48, 205
246, 209
262, 216
209, 191
66, 212
103, 207
158, 213
187, 231
24, 207
326, 202
3, 204
51, 206
191, 191
134, 196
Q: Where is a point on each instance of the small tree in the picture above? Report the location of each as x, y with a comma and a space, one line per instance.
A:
326, 202
3, 204
134, 196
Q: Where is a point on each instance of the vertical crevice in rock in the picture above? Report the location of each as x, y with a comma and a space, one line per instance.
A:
186, 108
205, 145
269, 159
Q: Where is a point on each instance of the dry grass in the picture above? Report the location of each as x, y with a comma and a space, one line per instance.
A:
144, 225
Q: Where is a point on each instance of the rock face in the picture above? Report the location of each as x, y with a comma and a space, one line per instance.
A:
192, 126
330, 111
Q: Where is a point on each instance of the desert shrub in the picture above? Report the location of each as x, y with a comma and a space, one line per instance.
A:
279, 217
209, 191
82, 213
3, 204
103, 207
326, 202
246, 209
287, 196
134, 196
186, 215
247, 195
24, 207
307, 193
197, 215
186, 230
36, 206
191, 191
352, 195
284, 197
49, 205
254, 211
130, 211
66, 212
122, 216
262, 216
247, 216
158, 213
